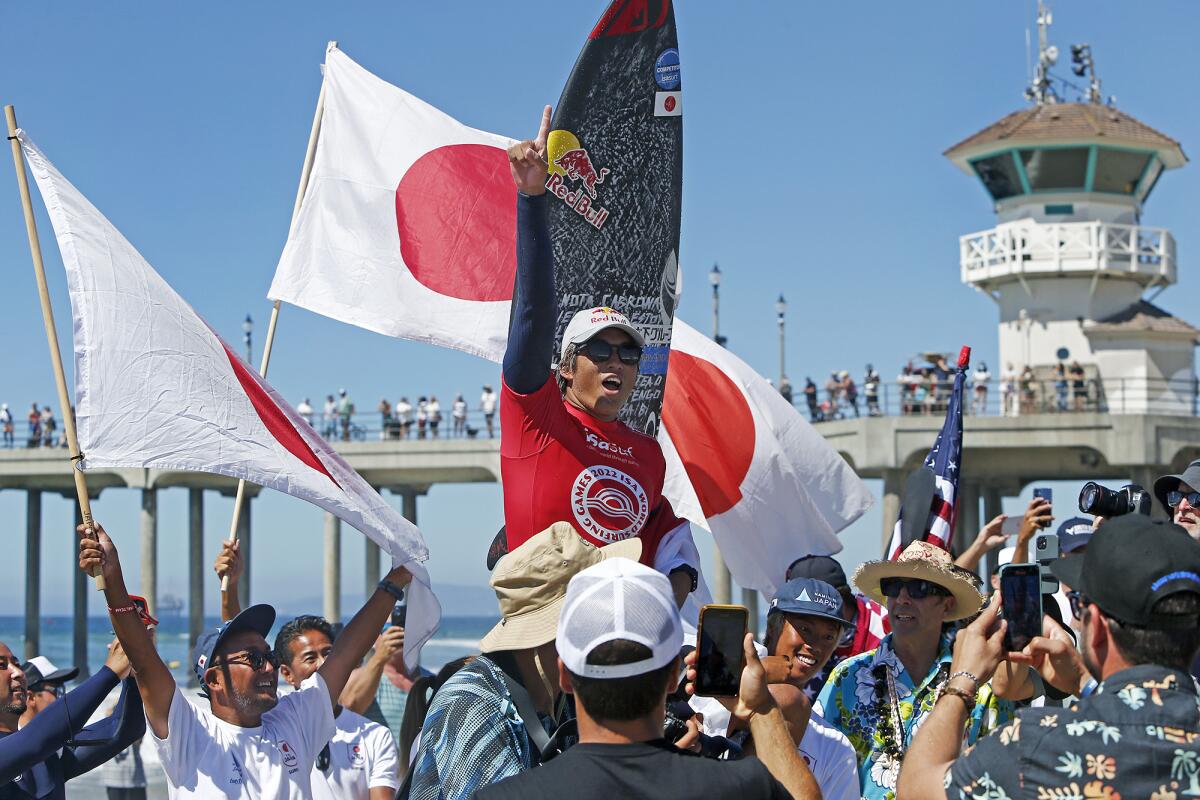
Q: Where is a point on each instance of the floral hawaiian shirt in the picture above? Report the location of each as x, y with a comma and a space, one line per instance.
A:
1138, 736
857, 700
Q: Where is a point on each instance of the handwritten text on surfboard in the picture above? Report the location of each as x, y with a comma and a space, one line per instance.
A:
576, 167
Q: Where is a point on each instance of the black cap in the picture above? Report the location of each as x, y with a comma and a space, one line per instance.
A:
41, 670
257, 618
821, 568
1131, 563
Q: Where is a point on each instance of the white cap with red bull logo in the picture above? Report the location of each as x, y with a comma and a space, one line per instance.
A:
590, 321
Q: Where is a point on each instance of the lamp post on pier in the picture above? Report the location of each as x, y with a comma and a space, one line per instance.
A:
721, 582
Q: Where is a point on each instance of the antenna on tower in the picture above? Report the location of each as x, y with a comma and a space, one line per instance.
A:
1082, 64
1040, 89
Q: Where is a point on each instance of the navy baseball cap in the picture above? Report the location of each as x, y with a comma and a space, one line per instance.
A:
822, 568
1074, 534
809, 597
1131, 563
257, 618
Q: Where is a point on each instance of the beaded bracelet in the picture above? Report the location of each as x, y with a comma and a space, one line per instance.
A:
967, 698
965, 674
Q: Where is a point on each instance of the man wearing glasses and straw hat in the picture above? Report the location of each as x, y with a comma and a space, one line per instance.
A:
880, 697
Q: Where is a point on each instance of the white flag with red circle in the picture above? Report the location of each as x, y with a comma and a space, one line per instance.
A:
744, 464
408, 224
157, 388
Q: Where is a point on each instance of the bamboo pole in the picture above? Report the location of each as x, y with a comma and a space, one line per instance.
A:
305, 171
60, 376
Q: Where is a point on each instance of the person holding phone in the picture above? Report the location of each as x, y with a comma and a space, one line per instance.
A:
898, 682
619, 638
1137, 594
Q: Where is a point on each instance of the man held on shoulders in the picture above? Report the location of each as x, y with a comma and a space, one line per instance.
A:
618, 642
248, 742
564, 454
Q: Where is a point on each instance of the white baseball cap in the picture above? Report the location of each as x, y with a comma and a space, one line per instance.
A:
590, 321
618, 599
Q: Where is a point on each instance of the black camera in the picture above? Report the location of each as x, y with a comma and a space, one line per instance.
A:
1101, 501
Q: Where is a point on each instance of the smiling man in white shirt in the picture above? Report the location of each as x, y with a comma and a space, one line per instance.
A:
248, 742
360, 761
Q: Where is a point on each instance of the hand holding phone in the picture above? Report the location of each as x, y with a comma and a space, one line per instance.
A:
1021, 604
720, 654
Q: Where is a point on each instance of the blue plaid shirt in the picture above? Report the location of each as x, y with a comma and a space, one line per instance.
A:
472, 736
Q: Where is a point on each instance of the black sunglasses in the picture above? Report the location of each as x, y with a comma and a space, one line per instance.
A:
918, 588
254, 659
599, 351
1175, 498
323, 758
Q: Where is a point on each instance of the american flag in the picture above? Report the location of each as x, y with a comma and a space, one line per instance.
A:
944, 459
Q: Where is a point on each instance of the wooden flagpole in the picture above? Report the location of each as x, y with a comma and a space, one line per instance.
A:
60, 377
305, 171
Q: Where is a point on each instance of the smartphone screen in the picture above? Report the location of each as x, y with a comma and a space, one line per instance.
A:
721, 658
1021, 600
399, 615
1046, 492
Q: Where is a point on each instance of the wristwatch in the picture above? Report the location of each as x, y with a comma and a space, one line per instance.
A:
392, 589
690, 572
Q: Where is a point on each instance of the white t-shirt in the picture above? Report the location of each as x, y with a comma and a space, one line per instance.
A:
831, 758
207, 757
362, 755
487, 401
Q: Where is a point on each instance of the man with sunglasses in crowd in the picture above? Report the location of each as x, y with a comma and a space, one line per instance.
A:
55, 746
46, 684
879, 698
564, 455
246, 741
1134, 731
1181, 499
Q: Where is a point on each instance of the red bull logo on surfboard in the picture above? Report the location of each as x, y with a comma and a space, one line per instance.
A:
573, 177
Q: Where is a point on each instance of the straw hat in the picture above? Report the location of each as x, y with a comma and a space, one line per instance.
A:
922, 560
531, 584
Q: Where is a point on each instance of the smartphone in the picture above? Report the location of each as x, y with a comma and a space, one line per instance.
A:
1046, 550
399, 615
721, 657
1047, 493
1021, 603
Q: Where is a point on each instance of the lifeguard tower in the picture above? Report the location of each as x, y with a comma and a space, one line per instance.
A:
1069, 262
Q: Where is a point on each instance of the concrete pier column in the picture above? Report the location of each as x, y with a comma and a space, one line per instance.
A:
968, 517
79, 638
992, 505
195, 571
33, 573
893, 486
750, 601
720, 579
148, 524
371, 569
333, 568
243, 535
409, 508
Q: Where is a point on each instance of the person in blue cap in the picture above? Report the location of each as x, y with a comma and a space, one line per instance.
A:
805, 623
246, 741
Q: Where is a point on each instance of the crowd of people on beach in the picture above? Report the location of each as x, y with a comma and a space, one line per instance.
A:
900, 681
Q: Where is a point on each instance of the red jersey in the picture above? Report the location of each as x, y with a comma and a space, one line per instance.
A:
558, 463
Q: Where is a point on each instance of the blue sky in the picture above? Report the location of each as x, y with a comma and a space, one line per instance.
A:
813, 137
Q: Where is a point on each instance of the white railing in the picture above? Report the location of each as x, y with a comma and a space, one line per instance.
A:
1031, 247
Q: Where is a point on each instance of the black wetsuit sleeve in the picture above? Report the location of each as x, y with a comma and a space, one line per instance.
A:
535, 301
50, 729
110, 735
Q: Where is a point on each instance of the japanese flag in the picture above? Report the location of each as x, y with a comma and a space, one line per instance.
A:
743, 464
156, 388
408, 225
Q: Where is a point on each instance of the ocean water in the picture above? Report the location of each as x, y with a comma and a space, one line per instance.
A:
458, 636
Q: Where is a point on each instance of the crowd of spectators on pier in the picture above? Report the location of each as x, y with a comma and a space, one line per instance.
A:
422, 418
42, 428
